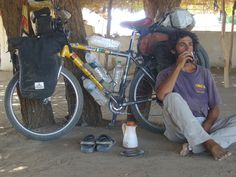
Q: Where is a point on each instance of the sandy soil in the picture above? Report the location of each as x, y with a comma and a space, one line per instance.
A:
21, 157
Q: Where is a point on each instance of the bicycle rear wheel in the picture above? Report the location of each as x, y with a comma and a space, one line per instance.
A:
148, 113
64, 117
203, 58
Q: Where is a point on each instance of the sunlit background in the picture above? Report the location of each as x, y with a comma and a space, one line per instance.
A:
204, 21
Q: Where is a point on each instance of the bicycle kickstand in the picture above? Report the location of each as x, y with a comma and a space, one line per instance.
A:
113, 121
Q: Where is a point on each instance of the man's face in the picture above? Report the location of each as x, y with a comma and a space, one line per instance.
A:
184, 44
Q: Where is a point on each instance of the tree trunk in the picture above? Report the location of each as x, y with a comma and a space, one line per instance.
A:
109, 9
224, 46
108, 33
156, 8
11, 16
232, 35
91, 113
34, 113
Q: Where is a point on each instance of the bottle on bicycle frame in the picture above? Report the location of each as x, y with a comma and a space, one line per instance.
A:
117, 76
95, 92
99, 72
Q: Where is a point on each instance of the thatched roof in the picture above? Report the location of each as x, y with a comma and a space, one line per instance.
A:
100, 5
135, 5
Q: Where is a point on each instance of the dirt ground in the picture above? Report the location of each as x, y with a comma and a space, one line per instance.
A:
22, 157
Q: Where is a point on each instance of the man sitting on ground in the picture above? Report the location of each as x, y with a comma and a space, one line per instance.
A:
191, 102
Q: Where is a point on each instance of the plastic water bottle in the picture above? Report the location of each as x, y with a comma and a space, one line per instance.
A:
95, 92
117, 75
99, 72
100, 41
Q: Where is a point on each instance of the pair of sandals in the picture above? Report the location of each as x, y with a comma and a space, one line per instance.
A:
101, 144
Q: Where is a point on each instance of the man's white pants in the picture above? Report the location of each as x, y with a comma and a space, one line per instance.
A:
182, 126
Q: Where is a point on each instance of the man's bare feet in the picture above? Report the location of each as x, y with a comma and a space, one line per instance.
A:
216, 150
185, 150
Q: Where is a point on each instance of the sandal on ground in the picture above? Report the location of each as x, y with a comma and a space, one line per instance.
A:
104, 143
87, 145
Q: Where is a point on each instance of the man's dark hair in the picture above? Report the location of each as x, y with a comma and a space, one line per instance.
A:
178, 34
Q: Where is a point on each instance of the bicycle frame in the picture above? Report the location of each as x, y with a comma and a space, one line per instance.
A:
129, 55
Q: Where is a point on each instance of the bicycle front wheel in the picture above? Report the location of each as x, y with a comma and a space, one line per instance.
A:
147, 113
62, 116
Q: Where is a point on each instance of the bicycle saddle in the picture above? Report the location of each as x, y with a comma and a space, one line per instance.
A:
146, 22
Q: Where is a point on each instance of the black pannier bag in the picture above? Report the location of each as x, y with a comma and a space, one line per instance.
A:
39, 63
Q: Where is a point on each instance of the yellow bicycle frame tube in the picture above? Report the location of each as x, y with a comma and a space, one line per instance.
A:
90, 48
65, 53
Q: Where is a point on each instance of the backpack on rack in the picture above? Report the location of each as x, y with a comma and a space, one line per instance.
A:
154, 41
42, 21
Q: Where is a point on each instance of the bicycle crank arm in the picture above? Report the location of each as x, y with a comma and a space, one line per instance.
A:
138, 102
